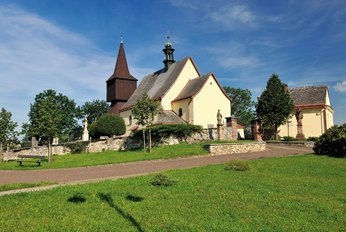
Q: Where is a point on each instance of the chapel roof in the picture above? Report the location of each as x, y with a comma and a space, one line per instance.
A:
192, 87
157, 83
309, 95
169, 117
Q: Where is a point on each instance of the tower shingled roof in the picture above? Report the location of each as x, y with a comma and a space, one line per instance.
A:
121, 70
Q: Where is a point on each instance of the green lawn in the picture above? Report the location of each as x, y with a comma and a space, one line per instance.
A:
110, 157
297, 193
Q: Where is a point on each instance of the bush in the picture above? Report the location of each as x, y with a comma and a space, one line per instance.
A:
289, 138
181, 131
77, 147
162, 180
237, 165
332, 142
107, 125
313, 139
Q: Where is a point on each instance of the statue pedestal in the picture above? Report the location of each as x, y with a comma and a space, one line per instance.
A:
300, 135
220, 131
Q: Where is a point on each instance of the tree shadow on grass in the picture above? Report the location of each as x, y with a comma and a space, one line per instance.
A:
107, 198
77, 198
134, 198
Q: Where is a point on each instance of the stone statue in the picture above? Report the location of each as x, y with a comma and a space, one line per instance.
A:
219, 118
299, 116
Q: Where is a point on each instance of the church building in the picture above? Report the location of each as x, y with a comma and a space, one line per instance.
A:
185, 95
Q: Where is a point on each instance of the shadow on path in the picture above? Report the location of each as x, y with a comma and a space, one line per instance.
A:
107, 198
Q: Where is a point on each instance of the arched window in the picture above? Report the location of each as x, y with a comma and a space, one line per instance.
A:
180, 112
130, 120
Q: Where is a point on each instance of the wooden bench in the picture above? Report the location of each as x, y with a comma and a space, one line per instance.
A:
38, 159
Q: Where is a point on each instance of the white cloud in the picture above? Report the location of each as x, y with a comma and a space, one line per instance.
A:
231, 15
340, 87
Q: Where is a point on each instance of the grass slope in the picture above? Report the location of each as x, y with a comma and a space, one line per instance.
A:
302, 193
110, 157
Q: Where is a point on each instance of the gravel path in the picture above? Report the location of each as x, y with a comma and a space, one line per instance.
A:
115, 171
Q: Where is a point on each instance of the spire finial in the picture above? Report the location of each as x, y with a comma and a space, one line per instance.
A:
168, 43
121, 37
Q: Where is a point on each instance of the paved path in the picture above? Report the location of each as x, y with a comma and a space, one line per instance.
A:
115, 171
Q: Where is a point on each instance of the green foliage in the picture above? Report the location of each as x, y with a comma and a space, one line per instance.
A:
332, 142
312, 139
289, 138
275, 105
7, 127
162, 180
93, 110
242, 104
77, 147
52, 115
145, 110
181, 131
107, 125
237, 165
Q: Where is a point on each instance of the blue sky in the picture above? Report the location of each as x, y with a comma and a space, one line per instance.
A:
71, 46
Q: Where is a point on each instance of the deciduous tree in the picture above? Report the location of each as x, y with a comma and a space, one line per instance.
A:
52, 115
93, 110
144, 112
242, 104
7, 129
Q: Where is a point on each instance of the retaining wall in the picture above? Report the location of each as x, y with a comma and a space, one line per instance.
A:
231, 148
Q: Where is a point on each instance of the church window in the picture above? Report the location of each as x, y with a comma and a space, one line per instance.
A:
130, 120
180, 112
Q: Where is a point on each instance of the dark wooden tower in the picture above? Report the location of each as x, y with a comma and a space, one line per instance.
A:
121, 85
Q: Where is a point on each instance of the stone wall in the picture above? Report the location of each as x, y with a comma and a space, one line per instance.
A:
231, 148
40, 150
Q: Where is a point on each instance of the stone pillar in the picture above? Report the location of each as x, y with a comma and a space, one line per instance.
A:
255, 127
234, 126
299, 116
85, 136
33, 142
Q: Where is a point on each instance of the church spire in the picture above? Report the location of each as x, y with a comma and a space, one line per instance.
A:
168, 51
121, 84
121, 69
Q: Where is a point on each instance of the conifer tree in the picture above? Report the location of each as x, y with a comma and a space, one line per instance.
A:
275, 105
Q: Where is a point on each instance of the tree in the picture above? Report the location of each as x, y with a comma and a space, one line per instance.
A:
7, 129
242, 104
107, 125
275, 105
93, 110
52, 115
144, 112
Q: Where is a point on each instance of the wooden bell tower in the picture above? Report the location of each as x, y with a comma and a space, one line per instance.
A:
121, 85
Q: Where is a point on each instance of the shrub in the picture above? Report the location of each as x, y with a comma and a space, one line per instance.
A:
162, 180
77, 147
107, 125
312, 139
237, 165
181, 131
289, 138
332, 142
